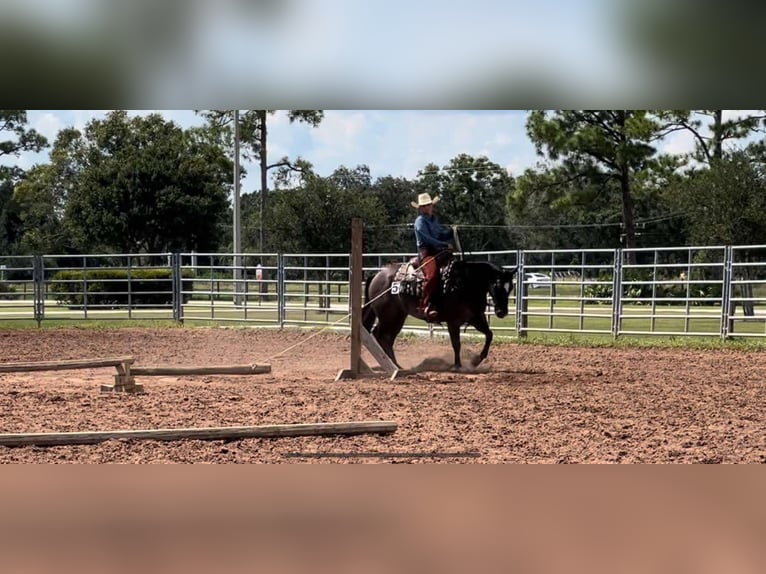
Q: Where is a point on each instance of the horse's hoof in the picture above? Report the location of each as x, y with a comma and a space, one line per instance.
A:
456, 368
476, 361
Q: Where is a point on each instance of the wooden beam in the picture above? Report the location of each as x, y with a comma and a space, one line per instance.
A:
213, 433
357, 277
210, 370
372, 345
64, 365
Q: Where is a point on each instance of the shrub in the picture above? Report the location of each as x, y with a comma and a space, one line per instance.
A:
599, 290
665, 293
111, 286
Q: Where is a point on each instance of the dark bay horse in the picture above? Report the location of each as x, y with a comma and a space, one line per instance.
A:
464, 304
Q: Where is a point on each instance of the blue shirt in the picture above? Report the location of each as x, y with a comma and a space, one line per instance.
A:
431, 234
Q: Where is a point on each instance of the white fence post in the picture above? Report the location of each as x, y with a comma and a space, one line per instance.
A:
617, 272
727, 319
521, 298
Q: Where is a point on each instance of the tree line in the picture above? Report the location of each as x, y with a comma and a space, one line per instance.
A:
143, 184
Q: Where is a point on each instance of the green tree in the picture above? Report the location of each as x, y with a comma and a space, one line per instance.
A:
550, 209
595, 144
569, 206
253, 131
143, 184
10, 220
317, 217
39, 212
20, 138
726, 203
41, 197
357, 179
710, 135
395, 195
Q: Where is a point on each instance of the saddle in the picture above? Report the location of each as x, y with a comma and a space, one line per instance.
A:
409, 279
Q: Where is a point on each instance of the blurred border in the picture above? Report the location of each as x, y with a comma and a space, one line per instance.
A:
383, 518
200, 54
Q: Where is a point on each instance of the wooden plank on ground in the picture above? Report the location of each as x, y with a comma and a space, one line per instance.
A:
214, 433
28, 367
207, 370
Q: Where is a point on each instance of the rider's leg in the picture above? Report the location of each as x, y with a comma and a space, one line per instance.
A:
431, 273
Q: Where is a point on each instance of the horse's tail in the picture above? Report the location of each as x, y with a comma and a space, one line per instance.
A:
368, 314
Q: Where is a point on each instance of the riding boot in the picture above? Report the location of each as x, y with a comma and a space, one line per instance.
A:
427, 310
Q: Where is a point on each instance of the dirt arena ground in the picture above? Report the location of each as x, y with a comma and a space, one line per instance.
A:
527, 404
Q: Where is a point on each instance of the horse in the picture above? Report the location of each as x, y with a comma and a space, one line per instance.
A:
463, 302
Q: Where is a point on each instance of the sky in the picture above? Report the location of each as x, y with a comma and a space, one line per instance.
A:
390, 142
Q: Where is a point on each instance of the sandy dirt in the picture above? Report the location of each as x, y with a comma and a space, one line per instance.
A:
526, 404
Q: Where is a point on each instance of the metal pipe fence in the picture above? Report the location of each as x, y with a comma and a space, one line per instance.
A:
680, 291
18, 288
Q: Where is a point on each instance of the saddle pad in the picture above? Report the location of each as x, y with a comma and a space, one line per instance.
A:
408, 272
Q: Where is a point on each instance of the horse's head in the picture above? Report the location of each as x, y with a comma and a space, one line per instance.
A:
500, 290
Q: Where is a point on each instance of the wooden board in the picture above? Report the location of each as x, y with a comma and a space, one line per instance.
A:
208, 370
372, 345
214, 433
64, 365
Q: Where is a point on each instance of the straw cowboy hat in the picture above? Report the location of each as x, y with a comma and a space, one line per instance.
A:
425, 199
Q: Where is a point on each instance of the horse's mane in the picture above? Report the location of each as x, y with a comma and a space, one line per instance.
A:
487, 269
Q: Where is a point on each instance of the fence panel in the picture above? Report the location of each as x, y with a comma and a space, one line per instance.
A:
107, 287
567, 290
17, 288
226, 288
748, 289
705, 291
316, 289
672, 291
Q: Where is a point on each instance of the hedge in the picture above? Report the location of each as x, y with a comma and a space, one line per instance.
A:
666, 293
110, 287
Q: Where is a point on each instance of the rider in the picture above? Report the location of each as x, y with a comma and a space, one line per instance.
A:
432, 241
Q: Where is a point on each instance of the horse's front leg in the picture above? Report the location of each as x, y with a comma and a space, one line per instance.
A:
479, 323
454, 337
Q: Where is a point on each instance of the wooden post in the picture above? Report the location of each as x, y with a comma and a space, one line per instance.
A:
359, 335
355, 292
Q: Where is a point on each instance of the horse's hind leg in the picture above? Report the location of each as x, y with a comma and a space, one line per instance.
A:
385, 333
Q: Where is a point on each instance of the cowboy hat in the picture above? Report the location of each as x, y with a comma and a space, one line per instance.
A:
425, 199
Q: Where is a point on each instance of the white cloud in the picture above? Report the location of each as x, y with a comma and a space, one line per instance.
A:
501, 139
340, 129
48, 124
400, 143
680, 142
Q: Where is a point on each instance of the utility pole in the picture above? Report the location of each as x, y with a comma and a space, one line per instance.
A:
237, 237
